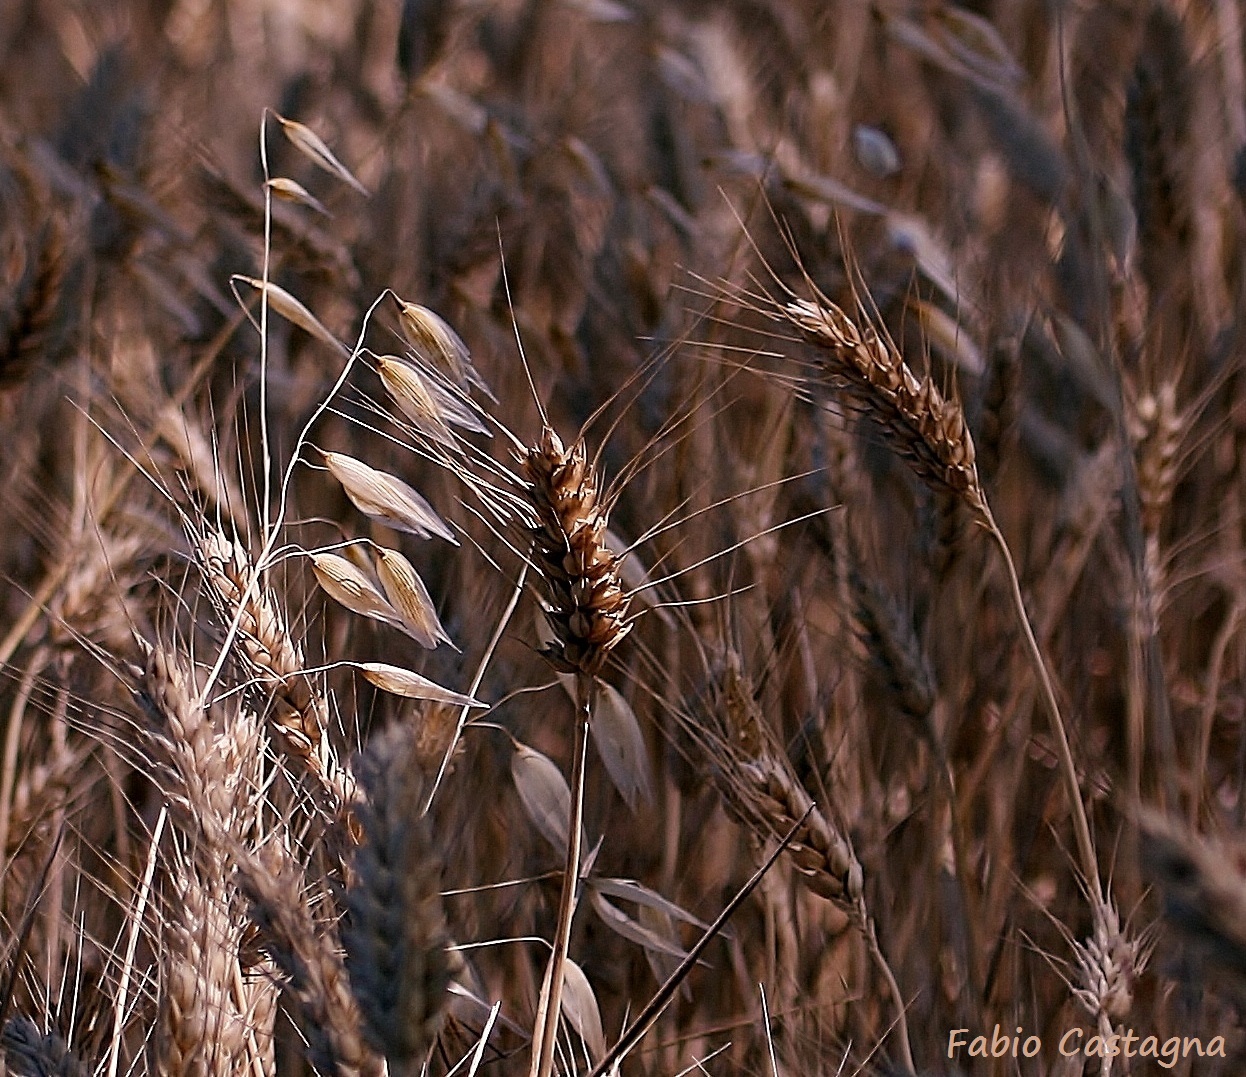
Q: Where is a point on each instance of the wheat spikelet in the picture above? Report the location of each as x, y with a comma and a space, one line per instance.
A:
1107, 965
588, 606
1001, 399
1157, 427
202, 1033
88, 599
31, 1053
394, 933
300, 713
926, 429
210, 777
273, 884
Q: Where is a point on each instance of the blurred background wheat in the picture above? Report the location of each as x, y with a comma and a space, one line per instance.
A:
358, 672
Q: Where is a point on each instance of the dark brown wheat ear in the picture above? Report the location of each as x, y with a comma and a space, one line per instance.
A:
587, 602
394, 932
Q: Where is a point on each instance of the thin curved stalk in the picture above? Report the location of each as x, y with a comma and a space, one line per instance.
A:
1064, 753
893, 988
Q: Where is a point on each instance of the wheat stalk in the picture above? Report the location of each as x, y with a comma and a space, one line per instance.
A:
930, 433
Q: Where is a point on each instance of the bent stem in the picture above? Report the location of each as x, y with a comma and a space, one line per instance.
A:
548, 1014
1081, 828
893, 987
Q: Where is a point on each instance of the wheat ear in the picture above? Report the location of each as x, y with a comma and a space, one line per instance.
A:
212, 781
273, 884
394, 932
929, 431
760, 789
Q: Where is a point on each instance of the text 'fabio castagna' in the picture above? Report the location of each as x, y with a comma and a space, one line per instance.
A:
1076, 1041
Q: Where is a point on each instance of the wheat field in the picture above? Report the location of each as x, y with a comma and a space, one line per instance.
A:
622, 536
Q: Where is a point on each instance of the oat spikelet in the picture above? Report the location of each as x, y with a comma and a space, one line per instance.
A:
408, 595
588, 605
387, 498
394, 934
434, 341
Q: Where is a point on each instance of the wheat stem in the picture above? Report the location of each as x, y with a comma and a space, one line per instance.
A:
893, 988
1064, 753
543, 1048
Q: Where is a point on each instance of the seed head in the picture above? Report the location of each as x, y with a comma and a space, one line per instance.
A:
588, 605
